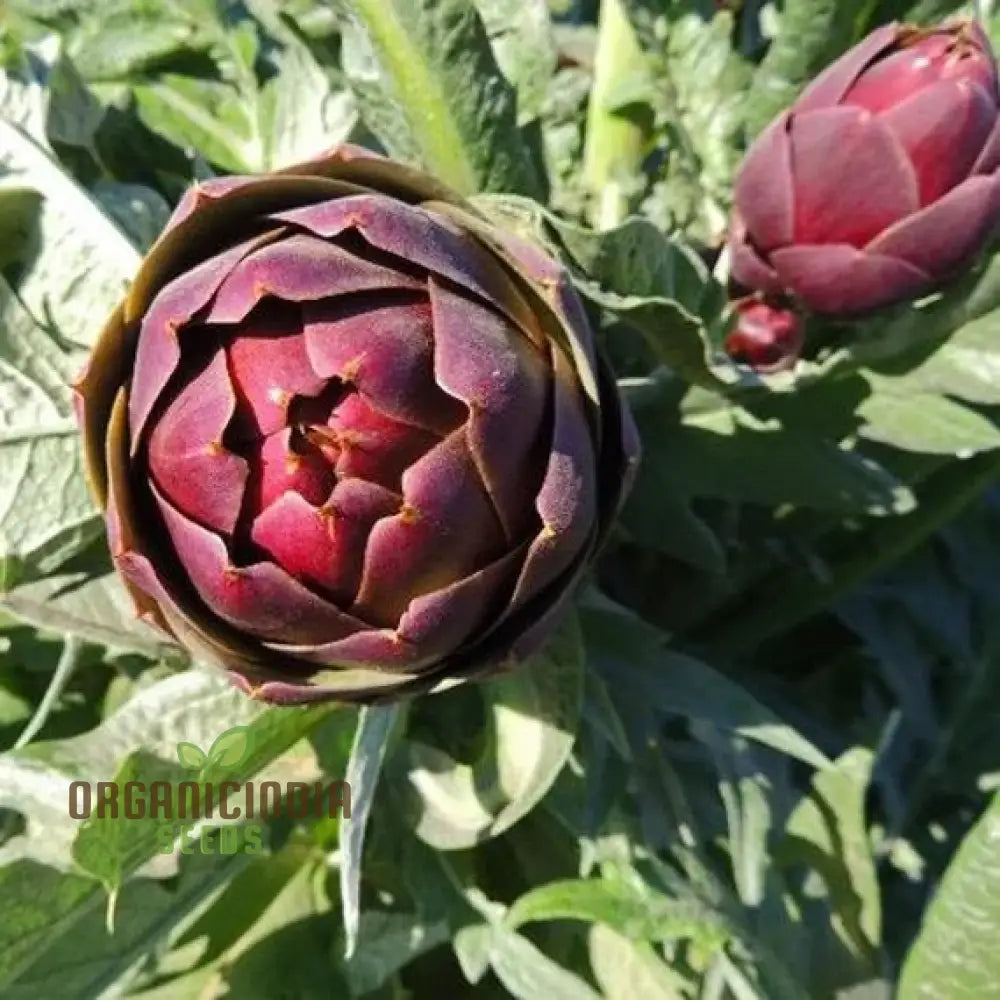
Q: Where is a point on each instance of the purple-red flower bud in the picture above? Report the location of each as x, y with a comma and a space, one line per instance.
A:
881, 180
766, 337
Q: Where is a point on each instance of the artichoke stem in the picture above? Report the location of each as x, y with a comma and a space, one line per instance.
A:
614, 144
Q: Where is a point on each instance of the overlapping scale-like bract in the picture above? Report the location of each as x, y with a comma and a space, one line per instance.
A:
881, 180
353, 441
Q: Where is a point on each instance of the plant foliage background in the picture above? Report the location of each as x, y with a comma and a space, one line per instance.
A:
762, 760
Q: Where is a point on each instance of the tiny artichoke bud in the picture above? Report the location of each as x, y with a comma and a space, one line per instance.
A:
766, 337
354, 442
881, 180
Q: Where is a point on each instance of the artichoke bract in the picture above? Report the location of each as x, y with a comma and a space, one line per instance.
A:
881, 180
353, 440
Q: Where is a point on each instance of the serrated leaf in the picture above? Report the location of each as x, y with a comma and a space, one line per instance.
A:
657, 285
429, 88
955, 956
698, 88
532, 717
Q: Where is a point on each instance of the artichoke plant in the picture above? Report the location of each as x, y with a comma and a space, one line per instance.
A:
353, 441
881, 180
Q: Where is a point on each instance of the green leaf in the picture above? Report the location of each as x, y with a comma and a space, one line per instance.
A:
896, 340
811, 34
303, 115
40, 904
630, 654
112, 846
386, 943
429, 87
697, 85
117, 44
527, 974
140, 211
627, 969
966, 366
532, 717
207, 116
72, 270
520, 32
192, 758
285, 931
371, 738
91, 604
955, 956
718, 449
133, 743
90, 962
645, 278
83, 262
647, 916
827, 832
924, 422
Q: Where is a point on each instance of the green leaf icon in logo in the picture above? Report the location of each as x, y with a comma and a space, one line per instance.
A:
191, 757
231, 748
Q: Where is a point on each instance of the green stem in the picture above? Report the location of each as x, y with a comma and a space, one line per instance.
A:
614, 144
65, 668
801, 596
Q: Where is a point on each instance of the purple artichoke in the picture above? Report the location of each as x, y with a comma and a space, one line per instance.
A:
881, 180
352, 440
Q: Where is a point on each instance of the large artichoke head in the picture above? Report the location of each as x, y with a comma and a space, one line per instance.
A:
353, 440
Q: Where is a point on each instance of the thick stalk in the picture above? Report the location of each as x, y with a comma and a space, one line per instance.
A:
613, 146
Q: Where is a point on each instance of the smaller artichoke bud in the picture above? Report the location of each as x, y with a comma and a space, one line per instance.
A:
767, 337
881, 180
